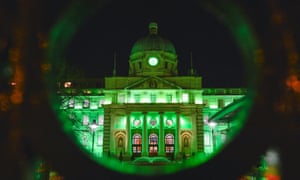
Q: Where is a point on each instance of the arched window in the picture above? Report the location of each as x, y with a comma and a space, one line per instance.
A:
169, 144
137, 145
153, 139
153, 144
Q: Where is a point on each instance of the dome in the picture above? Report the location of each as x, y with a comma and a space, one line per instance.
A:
153, 42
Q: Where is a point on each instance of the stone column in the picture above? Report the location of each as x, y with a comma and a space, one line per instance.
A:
177, 134
128, 149
145, 136
161, 135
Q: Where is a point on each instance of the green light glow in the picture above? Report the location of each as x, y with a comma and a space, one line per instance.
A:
185, 97
213, 106
198, 99
121, 123
141, 112
144, 96
94, 106
185, 123
153, 61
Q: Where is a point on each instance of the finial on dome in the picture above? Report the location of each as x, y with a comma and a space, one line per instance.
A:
153, 28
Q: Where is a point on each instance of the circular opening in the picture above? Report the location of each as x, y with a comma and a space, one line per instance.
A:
153, 61
106, 138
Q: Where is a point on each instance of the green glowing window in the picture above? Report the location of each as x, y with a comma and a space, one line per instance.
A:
205, 118
121, 98
185, 97
100, 119
87, 91
72, 115
84, 140
153, 98
86, 103
85, 120
137, 98
207, 139
169, 98
100, 139
101, 101
220, 103
71, 103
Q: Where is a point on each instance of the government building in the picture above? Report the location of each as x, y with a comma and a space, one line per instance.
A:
152, 112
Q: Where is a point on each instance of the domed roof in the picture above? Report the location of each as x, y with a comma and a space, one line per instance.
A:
153, 42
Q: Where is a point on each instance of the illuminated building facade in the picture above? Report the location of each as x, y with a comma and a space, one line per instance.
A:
151, 112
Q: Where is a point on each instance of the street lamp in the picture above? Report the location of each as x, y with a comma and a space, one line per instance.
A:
212, 125
93, 127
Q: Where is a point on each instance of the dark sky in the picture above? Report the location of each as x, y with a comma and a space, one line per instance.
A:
216, 56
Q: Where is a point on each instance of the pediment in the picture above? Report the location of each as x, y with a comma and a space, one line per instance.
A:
153, 82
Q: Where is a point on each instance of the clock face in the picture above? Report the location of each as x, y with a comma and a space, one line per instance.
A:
153, 61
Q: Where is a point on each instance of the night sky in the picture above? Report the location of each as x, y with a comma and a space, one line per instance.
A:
192, 29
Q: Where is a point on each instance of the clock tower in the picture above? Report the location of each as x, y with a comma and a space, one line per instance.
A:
153, 55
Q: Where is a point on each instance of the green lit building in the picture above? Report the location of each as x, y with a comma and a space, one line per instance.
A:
151, 112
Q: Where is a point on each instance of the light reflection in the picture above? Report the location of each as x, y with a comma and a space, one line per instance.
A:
293, 82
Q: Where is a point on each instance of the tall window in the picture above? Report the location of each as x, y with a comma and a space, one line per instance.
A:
220, 103
101, 101
207, 139
121, 98
169, 143
100, 119
152, 98
86, 103
84, 140
185, 97
71, 103
85, 120
169, 98
153, 144
137, 144
100, 139
137, 98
